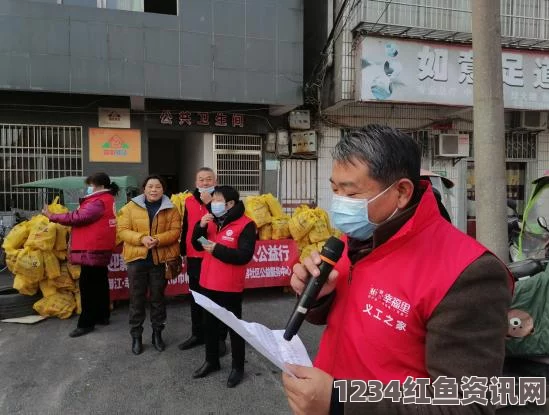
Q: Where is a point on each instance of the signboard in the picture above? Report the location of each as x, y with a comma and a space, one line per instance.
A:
271, 266
392, 70
114, 117
114, 145
201, 119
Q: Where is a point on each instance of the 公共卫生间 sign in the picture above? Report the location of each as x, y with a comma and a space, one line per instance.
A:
202, 119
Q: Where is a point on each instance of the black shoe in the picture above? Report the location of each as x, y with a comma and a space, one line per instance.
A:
206, 369
103, 322
222, 348
191, 342
137, 345
80, 331
157, 341
235, 378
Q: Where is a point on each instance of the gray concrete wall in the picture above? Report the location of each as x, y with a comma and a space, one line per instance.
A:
215, 50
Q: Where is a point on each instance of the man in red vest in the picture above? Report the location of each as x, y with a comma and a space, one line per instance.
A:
195, 208
411, 298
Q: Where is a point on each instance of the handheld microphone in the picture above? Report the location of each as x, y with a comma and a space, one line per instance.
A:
331, 252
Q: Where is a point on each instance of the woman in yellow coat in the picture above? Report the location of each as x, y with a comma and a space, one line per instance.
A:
149, 225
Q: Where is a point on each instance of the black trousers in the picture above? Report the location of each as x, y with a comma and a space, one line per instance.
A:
94, 295
232, 302
194, 265
142, 277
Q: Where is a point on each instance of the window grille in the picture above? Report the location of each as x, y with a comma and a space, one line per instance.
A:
35, 152
238, 162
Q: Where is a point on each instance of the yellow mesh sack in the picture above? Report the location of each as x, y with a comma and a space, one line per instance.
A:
17, 236
48, 288
60, 255
25, 285
281, 228
74, 270
30, 263
257, 210
42, 234
51, 265
61, 304
56, 207
321, 228
265, 233
11, 258
61, 237
301, 223
78, 301
64, 281
274, 205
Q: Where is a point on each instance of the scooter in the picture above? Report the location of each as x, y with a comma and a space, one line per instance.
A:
527, 345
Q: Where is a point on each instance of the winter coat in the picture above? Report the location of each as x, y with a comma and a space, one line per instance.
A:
93, 229
134, 224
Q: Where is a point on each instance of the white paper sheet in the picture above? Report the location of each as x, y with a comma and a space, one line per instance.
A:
270, 343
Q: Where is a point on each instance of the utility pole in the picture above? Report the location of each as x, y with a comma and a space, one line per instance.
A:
489, 128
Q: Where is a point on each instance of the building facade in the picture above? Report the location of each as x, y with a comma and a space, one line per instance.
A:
132, 87
408, 64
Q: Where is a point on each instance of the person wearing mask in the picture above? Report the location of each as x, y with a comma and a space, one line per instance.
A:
231, 244
412, 296
93, 237
149, 225
196, 207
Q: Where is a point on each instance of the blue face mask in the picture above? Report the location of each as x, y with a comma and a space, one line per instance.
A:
89, 190
350, 216
218, 209
206, 189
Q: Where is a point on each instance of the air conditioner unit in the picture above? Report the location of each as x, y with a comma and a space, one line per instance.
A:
303, 142
531, 120
453, 145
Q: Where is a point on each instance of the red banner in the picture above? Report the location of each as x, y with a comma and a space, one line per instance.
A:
271, 266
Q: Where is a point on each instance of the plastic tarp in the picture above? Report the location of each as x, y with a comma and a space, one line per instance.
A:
73, 188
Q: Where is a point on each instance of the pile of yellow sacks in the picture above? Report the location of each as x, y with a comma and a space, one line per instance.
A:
178, 199
36, 253
309, 227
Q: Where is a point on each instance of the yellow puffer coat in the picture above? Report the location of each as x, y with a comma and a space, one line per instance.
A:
133, 224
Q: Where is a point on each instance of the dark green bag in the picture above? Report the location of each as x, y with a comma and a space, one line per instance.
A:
532, 296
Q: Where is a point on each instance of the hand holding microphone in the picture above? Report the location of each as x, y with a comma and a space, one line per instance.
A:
318, 275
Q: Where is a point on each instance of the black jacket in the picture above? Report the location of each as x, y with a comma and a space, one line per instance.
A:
246, 242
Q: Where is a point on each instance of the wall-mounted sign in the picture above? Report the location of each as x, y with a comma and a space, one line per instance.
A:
115, 146
393, 70
114, 118
202, 119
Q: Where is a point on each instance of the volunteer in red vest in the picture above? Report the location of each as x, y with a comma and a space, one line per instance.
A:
196, 207
412, 296
231, 245
93, 237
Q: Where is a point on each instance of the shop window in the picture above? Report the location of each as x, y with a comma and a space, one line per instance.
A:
35, 152
238, 162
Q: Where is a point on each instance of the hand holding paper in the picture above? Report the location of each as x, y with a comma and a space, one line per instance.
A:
270, 343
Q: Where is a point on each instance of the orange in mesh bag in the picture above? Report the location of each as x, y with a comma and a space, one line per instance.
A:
61, 304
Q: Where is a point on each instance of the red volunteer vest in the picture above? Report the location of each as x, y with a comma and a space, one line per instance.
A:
377, 325
101, 234
220, 276
195, 210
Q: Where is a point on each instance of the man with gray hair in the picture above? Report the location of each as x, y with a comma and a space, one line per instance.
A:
413, 300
